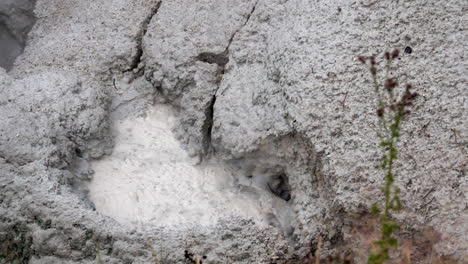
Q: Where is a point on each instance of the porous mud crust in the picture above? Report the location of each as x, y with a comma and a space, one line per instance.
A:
268, 92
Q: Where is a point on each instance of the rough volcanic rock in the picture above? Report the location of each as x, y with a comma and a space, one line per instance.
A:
51, 115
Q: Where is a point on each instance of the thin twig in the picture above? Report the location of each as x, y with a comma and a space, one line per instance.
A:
317, 252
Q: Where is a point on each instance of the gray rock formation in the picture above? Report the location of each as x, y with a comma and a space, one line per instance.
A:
272, 89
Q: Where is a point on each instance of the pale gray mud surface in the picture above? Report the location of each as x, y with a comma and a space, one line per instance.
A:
270, 91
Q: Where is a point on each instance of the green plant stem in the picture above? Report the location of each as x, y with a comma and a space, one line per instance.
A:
390, 114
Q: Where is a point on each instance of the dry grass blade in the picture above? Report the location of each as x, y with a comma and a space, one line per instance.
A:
99, 259
407, 254
153, 252
317, 252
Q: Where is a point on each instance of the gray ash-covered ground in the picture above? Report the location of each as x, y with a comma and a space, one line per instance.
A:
269, 91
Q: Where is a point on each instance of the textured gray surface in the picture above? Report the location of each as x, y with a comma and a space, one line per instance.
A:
16, 19
271, 87
10, 48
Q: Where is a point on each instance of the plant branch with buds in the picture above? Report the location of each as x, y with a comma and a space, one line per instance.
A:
391, 112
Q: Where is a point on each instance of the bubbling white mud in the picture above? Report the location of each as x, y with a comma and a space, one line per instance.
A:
149, 178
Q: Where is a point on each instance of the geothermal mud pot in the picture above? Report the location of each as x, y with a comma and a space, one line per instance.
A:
242, 131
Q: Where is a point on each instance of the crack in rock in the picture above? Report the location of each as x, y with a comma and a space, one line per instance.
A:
135, 65
221, 59
208, 124
240, 28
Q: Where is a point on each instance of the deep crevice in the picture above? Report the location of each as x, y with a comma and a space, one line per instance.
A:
137, 59
212, 58
208, 125
221, 59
